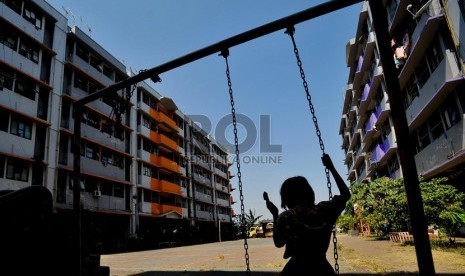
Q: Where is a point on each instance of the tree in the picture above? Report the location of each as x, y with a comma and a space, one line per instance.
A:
251, 219
385, 199
443, 205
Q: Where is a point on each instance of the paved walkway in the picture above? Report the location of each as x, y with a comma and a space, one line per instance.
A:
357, 256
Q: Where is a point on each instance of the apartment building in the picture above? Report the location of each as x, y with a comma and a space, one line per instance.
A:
147, 170
425, 45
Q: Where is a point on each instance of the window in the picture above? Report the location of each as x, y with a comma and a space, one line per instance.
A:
462, 8
20, 127
9, 39
28, 51
436, 125
146, 170
411, 92
118, 190
391, 10
92, 151
450, 112
25, 88
2, 166
5, 115
423, 137
6, 82
14, 5
107, 157
82, 53
430, 62
107, 127
33, 17
393, 165
17, 170
422, 73
461, 97
434, 55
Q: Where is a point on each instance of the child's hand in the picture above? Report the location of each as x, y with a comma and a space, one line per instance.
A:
271, 207
265, 196
327, 162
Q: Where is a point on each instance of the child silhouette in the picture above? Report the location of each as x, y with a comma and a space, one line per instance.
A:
305, 228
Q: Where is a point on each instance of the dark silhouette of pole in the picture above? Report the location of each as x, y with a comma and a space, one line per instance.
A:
404, 147
77, 189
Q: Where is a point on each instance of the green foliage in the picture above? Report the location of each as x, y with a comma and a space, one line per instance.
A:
346, 222
385, 199
251, 219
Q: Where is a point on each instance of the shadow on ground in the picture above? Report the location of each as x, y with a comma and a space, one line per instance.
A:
261, 273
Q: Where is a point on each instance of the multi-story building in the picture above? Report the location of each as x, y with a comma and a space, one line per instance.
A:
147, 170
425, 46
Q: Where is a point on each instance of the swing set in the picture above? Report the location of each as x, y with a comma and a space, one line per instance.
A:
422, 246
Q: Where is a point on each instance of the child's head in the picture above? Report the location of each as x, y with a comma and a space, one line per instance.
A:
296, 190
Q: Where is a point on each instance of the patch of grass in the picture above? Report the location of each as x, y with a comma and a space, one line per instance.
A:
445, 245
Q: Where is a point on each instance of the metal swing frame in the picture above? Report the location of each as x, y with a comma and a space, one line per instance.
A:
411, 182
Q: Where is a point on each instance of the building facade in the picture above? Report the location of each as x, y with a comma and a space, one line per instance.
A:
148, 171
425, 39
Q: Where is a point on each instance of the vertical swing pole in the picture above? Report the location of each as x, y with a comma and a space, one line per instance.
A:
290, 31
225, 54
404, 149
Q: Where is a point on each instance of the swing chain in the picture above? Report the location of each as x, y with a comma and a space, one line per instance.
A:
225, 54
290, 31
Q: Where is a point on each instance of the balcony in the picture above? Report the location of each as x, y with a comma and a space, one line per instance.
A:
384, 150
364, 100
221, 187
222, 202
205, 215
343, 124
347, 98
18, 103
21, 23
201, 146
375, 81
164, 141
440, 83
203, 197
427, 28
443, 153
164, 119
102, 138
370, 129
221, 173
165, 163
165, 186
144, 181
91, 71
202, 180
382, 111
103, 202
98, 168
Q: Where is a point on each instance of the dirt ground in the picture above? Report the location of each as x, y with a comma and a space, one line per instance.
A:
368, 255
357, 255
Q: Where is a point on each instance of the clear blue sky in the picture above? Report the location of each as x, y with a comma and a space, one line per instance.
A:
265, 78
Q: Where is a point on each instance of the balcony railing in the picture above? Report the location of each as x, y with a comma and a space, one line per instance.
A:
163, 140
165, 186
162, 118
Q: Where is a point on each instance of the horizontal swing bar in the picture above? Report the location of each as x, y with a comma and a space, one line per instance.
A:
271, 27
